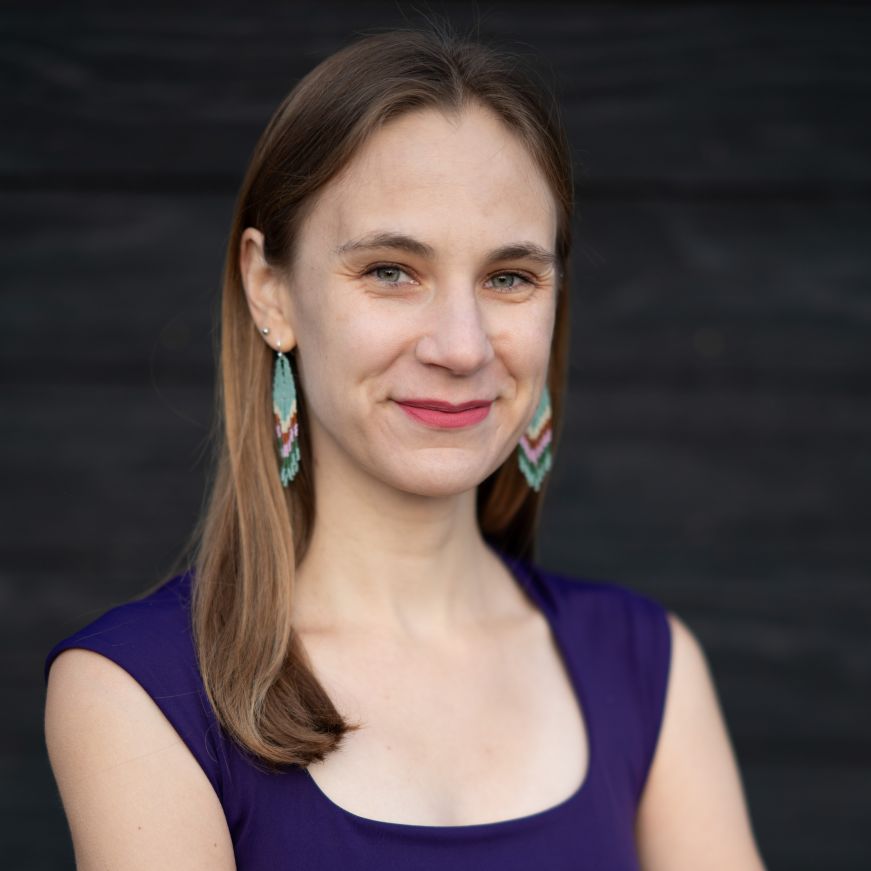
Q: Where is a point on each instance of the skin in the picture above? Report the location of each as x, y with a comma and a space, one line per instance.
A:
413, 583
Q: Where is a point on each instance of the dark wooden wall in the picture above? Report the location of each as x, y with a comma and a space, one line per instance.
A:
717, 453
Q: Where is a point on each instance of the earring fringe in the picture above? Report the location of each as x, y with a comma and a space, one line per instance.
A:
285, 415
534, 453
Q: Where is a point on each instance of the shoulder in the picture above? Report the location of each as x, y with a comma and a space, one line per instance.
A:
90, 696
108, 664
130, 784
693, 805
142, 653
690, 666
130, 787
692, 708
607, 607
142, 635
688, 669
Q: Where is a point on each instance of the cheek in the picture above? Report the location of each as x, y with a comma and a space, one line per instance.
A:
370, 339
343, 349
524, 339
545, 331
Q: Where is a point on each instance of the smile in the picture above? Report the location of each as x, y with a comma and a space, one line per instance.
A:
444, 415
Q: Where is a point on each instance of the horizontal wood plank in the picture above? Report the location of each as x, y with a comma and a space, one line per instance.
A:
662, 98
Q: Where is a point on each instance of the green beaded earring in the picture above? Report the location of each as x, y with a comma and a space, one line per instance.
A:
285, 416
534, 455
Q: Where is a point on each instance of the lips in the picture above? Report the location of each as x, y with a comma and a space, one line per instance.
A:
446, 415
439, 405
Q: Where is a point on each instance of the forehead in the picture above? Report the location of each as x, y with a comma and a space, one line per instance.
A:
463, 179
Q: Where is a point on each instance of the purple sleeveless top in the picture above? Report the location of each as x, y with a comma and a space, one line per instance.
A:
616, 645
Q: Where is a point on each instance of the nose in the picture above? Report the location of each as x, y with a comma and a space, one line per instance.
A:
456, 334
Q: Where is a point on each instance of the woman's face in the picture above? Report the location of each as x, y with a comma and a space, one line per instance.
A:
426, 271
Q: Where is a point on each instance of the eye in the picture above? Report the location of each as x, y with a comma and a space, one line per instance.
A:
387, 273
521, 279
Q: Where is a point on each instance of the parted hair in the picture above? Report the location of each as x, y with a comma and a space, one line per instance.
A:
252, 532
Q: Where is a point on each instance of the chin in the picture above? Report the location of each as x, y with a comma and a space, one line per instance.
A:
437, 482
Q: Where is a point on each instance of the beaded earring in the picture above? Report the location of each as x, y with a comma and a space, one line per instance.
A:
534, 455
285, 415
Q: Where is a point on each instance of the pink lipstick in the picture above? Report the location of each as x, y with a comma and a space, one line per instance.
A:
445, 415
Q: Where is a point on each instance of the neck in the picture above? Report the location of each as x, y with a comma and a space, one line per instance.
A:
396, 562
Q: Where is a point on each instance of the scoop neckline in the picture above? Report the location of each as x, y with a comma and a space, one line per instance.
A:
528, 580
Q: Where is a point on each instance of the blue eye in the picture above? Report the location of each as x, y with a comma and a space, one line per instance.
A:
513, 286
387, 267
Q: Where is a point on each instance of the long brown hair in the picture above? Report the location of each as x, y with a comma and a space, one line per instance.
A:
253, 532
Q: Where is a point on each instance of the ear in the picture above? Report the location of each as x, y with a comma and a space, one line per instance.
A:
266, 292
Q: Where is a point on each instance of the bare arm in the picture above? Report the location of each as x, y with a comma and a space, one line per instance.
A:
134, 795
693, 814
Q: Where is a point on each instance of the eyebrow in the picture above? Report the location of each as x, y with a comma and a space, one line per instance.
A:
403, 242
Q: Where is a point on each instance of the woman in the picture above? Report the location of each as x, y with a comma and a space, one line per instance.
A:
363, 667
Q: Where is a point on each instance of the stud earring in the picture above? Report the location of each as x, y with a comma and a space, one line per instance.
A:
285, 415
534, 455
